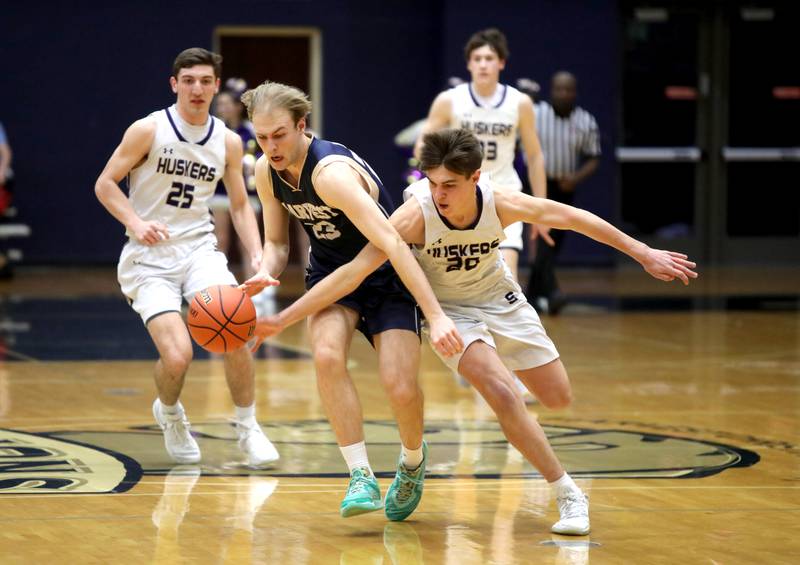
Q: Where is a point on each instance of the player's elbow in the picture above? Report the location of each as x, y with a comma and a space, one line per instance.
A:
101, 189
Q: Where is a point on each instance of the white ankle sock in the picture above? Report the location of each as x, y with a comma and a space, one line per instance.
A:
171, 410
355, 456
411, 458
246, 414
564, 485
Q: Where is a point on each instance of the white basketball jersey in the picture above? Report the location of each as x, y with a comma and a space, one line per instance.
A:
495, 127
464, 266
180, 174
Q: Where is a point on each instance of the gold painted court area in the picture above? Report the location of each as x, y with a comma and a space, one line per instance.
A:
684, 432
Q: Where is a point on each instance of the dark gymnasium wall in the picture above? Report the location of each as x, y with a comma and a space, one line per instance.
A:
76, 74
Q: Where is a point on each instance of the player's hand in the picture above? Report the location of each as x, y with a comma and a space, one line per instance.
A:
538, 230
444, 336
257, 283
266, 327
668, 265
149, 232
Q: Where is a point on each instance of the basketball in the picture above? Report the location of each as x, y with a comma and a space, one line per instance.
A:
221, 318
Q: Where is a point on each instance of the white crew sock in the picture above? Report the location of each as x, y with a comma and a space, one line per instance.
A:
246, 414
411, 458
355, 456
564, 485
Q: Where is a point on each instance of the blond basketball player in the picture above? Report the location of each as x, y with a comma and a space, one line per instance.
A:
455, 224
173, 159
342, 205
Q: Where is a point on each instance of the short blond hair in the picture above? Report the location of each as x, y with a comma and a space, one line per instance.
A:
272, 95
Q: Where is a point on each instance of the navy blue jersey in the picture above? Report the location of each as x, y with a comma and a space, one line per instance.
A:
334, 238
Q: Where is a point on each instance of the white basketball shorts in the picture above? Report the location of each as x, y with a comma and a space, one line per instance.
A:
513, 238
517, 335
156, 279
513, 231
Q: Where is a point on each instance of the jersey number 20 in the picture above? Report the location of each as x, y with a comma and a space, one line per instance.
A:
181, 195
456, 263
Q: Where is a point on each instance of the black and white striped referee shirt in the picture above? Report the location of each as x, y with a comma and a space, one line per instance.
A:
566, 140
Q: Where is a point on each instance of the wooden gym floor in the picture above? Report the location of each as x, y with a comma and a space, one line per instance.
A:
684, 433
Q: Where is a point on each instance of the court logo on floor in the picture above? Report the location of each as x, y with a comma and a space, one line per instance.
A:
39, 464
468, 448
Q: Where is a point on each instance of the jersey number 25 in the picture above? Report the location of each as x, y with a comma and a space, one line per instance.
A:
181, 195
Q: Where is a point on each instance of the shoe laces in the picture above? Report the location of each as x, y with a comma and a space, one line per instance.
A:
177, 426
572, 505
408, 480
246, 431
360, 482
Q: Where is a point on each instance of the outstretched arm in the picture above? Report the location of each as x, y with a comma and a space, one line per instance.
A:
341, 187
663, 265
336, 285
409, 225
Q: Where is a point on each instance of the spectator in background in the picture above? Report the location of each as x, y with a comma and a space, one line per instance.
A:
5, 157
570, 142
229, 108
6, 176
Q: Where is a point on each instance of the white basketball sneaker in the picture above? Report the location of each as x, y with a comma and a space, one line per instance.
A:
178, 440
573, 507
256, 447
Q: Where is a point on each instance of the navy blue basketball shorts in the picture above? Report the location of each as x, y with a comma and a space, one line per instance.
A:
382, 300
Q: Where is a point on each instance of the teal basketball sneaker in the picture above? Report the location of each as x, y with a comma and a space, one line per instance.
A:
405, 491
363, 494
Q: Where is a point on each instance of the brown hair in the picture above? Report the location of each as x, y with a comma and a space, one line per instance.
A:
492, 37
276, 95
197, 56
457, 149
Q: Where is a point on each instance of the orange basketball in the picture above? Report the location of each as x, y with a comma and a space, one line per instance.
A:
221, 318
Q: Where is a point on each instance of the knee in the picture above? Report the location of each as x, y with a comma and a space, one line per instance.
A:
402, 391
501, 396
176, 361
557, 399
329, 359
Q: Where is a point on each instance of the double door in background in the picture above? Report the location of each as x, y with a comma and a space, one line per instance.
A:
709, 145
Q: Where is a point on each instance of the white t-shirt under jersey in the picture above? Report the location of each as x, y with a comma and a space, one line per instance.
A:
464, 266
180, 174
494, 123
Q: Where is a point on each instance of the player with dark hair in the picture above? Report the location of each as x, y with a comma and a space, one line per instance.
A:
454, 220
173, 159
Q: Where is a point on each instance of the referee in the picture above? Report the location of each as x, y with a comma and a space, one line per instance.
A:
570, 142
